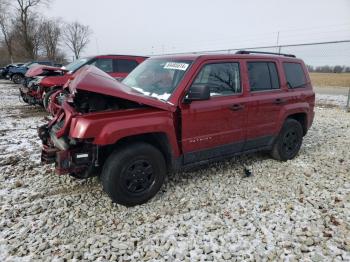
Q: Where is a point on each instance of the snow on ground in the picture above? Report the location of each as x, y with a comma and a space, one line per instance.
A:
295, 210
332, 100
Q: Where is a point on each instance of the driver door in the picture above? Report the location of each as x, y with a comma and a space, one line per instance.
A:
215, 128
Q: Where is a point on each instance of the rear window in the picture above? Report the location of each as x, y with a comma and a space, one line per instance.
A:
263, 76
125, 65
294, 74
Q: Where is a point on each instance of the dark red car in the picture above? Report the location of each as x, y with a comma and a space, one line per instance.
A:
174, 112
42, 81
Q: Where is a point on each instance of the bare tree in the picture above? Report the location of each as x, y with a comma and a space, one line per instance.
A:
76, 37
28, 23
6, 26
50, 36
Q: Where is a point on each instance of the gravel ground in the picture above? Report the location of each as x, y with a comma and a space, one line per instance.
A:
296, 210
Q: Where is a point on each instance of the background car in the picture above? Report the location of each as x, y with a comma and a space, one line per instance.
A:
4, 70
16, 74
42, 82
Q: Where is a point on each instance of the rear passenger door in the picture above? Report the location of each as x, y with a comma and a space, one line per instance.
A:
265, 103
122, 67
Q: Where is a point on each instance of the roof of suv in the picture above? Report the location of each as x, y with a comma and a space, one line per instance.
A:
193, 57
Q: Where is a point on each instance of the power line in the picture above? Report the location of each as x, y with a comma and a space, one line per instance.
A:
263, 47
289, 33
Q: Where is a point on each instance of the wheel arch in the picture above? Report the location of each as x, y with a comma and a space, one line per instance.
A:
299, 112
159, 140
301, 118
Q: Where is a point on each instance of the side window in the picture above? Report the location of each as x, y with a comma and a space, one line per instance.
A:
105, 64
294, 74
263, 76
222, 78
125, 65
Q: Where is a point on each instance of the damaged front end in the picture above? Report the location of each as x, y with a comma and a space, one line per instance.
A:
94, 100
76, 157
31, 92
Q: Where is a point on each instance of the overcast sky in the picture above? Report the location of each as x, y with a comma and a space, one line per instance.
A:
160, 26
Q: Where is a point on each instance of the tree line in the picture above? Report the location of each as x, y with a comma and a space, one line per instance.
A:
25, 34
329, 69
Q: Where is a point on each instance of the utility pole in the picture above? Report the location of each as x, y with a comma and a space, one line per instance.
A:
277, 42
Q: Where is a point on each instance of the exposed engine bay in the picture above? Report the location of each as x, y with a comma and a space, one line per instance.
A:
88, 102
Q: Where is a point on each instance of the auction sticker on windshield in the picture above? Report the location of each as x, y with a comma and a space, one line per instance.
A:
176, 66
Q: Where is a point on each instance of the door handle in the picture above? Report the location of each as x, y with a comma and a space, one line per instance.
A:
237, 107
279, 101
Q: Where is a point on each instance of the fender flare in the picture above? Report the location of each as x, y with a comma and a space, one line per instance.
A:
292, 109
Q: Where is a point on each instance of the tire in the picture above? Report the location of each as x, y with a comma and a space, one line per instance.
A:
288, 142
24, 97
133, 174
17, 78
77, 176
47, 98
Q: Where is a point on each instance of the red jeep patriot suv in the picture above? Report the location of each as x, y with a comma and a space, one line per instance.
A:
173, 112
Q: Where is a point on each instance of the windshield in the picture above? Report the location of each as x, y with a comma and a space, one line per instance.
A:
76, 64
32, 65
26, 64
157, 77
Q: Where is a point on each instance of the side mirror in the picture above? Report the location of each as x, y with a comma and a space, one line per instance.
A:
198, 92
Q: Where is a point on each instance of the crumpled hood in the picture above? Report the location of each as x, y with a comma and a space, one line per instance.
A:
40, 69
92, 79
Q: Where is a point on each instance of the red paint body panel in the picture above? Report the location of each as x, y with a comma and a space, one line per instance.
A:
212, 123
109, 127
38, 70
51, 81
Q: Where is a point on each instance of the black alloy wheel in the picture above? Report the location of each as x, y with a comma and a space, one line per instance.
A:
138, 176
17, 78
133, 173
289, 140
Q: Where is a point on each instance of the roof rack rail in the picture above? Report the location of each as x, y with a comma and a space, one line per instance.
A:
241, 52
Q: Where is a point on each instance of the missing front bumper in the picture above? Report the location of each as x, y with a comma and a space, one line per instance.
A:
82, 159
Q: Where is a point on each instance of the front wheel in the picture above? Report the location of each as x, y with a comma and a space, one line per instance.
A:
17, 78
289, 140
134, 174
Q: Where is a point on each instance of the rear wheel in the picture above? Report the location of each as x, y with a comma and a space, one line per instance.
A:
17, 78
289, 140
47, 98
134, 174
